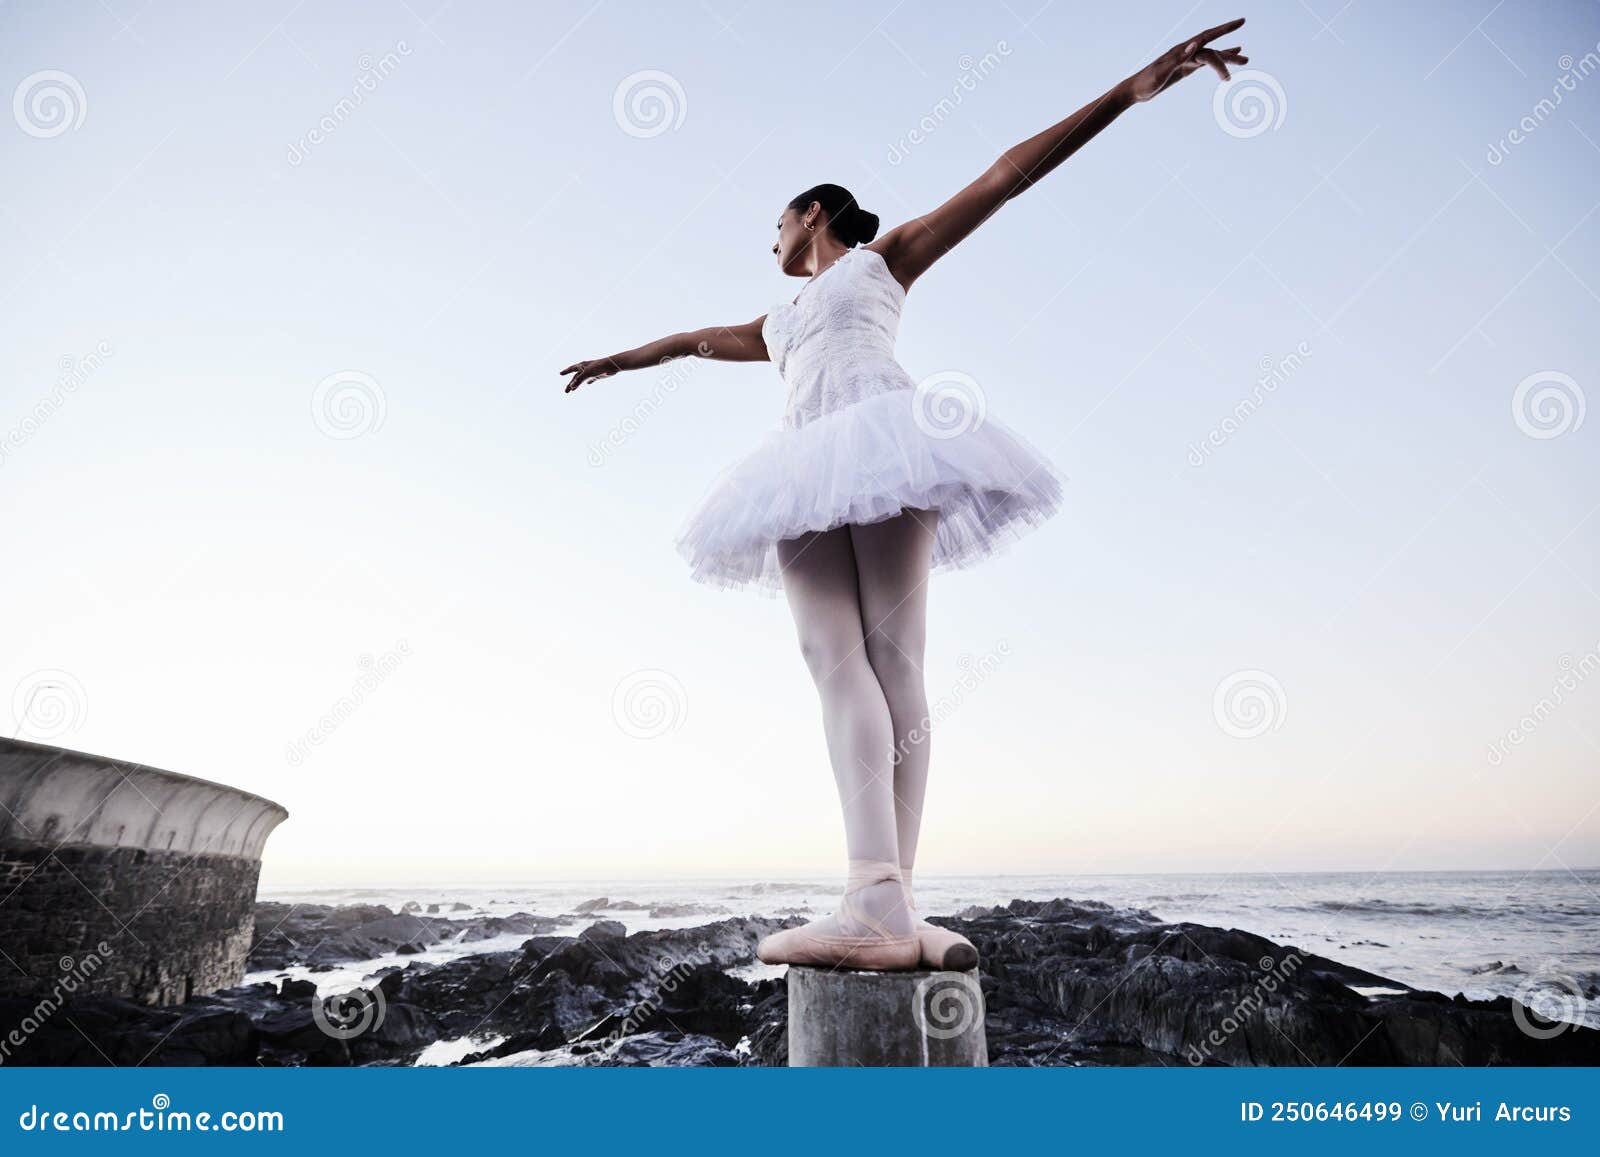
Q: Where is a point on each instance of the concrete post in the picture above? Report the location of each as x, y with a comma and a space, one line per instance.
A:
920, 1019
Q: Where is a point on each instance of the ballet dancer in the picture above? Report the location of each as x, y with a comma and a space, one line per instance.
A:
870, 484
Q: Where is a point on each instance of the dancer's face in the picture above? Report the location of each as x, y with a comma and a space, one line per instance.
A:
793, 241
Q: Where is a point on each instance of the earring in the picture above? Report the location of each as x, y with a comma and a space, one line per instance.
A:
810, 228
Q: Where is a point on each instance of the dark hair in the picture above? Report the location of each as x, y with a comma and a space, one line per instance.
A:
848, 221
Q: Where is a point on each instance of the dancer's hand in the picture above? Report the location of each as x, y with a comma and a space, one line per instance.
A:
588, 371
1180, 60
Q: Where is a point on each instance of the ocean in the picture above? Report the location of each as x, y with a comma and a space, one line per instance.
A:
1532, 935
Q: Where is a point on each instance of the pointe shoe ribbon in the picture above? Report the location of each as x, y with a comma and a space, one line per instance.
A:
938, 948
880, 951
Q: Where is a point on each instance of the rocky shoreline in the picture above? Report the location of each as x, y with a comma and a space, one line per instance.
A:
1063, 982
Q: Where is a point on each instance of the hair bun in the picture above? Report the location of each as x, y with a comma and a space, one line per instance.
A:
847, 220
863, 225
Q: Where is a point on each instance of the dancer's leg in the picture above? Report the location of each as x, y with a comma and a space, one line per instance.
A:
819, 579
892, 563
893, 559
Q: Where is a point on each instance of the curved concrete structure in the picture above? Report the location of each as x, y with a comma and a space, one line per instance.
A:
841, 1017
118, 878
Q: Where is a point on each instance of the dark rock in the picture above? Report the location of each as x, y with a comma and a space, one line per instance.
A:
544, 1039
1062, 975
767, 1024
668, 1048
671, 911
465, 995
389, 982
1064, 983
662, 1048
403, 1031
321, 936
99, 1030
517, 924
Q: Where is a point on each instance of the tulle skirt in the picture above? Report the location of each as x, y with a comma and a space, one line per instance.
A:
863, 463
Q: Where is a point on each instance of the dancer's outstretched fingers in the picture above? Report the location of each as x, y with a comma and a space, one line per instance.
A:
1211, 34
1207, 56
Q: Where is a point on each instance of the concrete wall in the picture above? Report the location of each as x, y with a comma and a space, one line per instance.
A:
123, 879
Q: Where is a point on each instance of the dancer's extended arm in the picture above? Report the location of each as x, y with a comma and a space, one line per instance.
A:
727, 343
911, 248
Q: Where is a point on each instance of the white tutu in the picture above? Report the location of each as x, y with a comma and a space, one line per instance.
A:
860, 441
864, 463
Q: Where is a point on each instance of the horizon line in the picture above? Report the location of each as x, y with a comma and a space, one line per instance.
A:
777, 877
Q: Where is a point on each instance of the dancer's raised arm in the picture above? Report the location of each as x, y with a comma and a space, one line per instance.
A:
727, 343
911, 248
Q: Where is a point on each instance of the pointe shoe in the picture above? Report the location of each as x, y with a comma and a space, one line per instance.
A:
943, 950
878, 952
939, 948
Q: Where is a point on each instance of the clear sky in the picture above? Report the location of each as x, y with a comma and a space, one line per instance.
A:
285, 287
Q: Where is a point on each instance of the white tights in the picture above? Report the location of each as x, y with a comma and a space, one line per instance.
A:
859, 596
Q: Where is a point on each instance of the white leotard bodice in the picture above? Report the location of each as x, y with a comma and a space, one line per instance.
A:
834, 345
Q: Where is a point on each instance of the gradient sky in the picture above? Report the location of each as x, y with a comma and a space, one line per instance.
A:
311, 420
